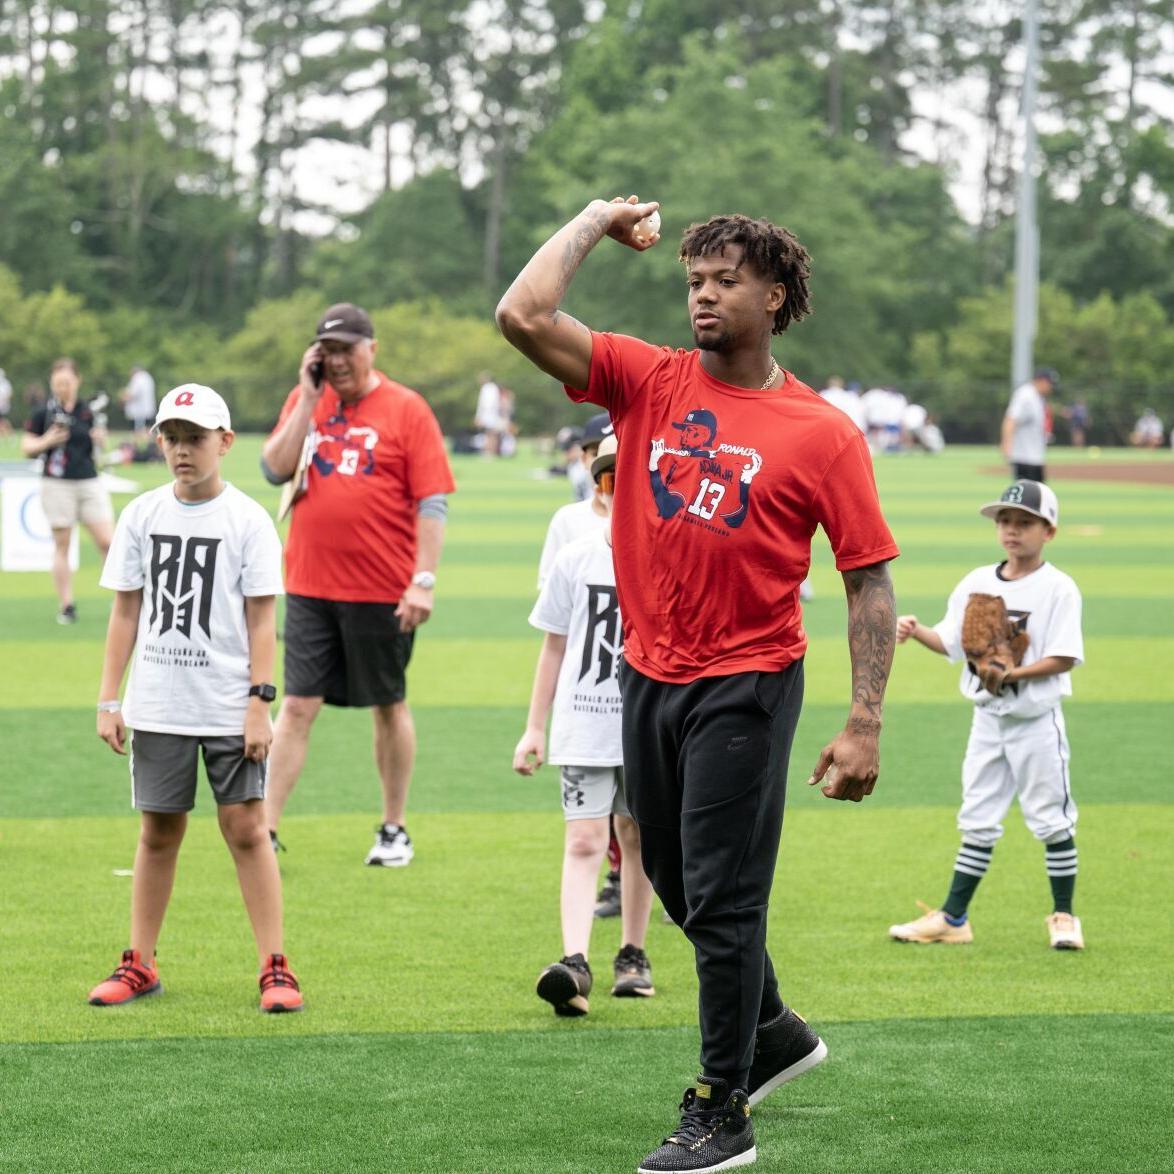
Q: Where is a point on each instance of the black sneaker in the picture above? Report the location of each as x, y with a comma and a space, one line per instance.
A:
715, 1133
68, 614
633, 974
565, 985
783, 1049
607, 904
275, 843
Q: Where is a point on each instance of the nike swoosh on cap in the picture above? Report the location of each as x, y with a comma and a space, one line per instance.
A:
332, 322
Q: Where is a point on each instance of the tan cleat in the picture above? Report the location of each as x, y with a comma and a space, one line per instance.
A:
1064, 932
932, 927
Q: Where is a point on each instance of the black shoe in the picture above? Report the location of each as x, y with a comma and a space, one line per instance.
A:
783, 1049
715, 1133
274, 842
68, 614
607, 904
565, 985
633, 974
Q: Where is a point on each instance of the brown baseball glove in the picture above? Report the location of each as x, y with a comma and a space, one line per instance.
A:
988, 636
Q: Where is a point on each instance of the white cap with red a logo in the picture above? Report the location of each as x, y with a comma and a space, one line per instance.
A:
195, 403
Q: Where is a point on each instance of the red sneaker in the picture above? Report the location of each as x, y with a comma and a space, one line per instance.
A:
131, 980
279, 986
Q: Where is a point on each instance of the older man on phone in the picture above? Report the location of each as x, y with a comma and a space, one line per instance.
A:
361, 556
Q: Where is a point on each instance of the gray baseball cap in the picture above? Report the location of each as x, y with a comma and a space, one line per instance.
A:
1033, 497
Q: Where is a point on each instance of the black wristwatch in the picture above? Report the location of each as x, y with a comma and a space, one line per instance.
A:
267, 693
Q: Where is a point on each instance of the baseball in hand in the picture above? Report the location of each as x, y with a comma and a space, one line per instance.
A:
646, 229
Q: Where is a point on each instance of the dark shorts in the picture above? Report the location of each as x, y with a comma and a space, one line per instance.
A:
1027, 472
350, 654
164, 767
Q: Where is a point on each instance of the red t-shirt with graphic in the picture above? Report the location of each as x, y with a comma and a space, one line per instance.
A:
719, 490
352, 536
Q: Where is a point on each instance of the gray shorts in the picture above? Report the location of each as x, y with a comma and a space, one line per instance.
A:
593, 792
163, 770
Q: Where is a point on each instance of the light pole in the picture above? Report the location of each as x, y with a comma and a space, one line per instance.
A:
1026, 228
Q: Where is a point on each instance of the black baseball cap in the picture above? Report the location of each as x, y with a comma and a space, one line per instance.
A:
1048, 373
345, 322
595, 429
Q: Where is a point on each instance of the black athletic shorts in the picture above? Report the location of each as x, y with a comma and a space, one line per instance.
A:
351, 654
1024, 472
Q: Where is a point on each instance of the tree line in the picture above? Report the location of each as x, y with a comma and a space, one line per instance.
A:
150, 153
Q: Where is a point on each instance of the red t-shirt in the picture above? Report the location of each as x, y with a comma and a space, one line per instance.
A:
353, 534
710, 548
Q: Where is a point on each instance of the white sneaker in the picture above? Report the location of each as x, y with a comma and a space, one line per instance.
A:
393, 847
1064, 932
932, 927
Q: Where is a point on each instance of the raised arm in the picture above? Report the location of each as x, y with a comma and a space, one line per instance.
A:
851, 761
528, 313
279, 454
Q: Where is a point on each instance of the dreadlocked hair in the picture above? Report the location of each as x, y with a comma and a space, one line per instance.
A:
772, 251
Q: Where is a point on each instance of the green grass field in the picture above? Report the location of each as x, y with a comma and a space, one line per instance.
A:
423, 1047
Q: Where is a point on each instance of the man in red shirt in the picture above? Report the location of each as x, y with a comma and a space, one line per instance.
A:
360, 559
711, 541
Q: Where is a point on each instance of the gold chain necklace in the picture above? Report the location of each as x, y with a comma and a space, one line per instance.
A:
772, 374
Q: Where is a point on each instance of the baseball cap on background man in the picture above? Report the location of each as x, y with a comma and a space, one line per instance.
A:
605, 458
345, 322
195, 403
595, 429
1033, 497
1048, 373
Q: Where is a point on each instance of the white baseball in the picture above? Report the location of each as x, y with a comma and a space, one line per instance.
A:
647, 228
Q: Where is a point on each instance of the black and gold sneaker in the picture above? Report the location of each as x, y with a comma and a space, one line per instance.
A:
783, 1049
565, 985
633, 974
715, 1133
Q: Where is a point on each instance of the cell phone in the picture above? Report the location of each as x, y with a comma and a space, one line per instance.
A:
317, 370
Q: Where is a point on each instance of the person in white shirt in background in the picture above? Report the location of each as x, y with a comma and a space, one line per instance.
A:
5, 403
577, 677
847, 399
138, 402
1148, 431
488, 414
1024, 437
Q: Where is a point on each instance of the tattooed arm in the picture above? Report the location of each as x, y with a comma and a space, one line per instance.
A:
528, 314
850, 763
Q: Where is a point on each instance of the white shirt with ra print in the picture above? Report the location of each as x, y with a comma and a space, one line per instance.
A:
579, 601
1046, 605
195, 565
1029, 443
577, 520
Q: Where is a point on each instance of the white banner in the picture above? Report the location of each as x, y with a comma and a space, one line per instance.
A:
26, 542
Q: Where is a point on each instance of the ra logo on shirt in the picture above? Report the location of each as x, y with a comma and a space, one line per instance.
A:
183, 571
344, 448
700, 476
603, 641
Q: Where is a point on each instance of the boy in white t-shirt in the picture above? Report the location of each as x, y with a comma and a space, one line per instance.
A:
1018, 745
197, 568
577, 674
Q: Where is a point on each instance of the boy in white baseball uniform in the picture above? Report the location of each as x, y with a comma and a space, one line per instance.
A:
196, 568
578, 676
1017, 741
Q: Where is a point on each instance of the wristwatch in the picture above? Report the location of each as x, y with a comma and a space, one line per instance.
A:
425, 579
267, 693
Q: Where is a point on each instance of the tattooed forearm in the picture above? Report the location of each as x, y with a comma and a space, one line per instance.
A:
872, 628
590, 228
